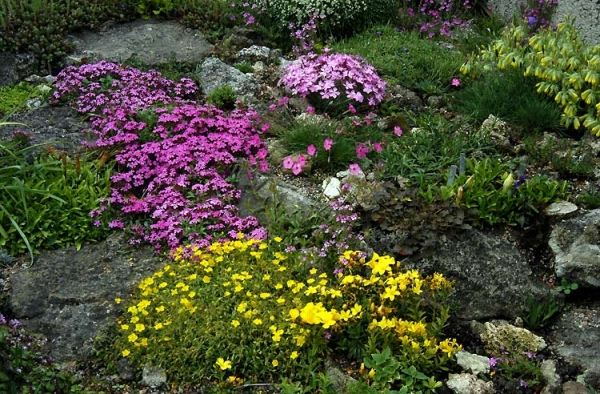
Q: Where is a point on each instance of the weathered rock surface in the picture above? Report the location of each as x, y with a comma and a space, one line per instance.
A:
60, 126
498, 336
473, 363
406, 98
498, 130
560, 208
576, 337
466, 383
213, 73
68, 295
576, 245
14, 67
492, 277
152, 42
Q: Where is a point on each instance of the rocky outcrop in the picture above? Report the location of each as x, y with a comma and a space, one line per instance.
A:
213, 73
151, 42
68, 295
576, 245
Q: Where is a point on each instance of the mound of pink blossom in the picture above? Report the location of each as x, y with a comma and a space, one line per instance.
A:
174, 158
333, 76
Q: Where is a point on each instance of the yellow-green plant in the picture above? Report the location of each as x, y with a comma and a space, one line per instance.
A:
567, 69
250, 310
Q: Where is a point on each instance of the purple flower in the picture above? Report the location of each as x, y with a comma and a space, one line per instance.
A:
492, 362
311, 150
532, 20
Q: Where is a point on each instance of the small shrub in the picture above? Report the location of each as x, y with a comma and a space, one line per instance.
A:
45, 201
14, 98
510, 96
495, 195
405, 58
540, 312
247, 310
558, 154
334, 80
566, 69
244, 67
223, 97
590, 199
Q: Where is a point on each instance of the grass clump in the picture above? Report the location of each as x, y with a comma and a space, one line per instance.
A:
405, 58
45, 200
510, 96
250, 311
14, 98
223, 97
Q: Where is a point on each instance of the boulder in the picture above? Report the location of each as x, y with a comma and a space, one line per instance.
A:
68, 295
153, 376
575, 337
560, 208
214, 73
332, 187
152, 42
473, 363
499, 336
576, 246
492, 276
256, 53
498, 130
466, 383
405, 98
14, 67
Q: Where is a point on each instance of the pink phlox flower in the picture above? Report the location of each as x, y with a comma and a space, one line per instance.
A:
398, 131
311, 150
327, 144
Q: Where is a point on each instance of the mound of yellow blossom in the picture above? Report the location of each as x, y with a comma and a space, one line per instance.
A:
246, 309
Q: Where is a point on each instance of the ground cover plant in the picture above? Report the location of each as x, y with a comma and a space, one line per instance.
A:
277, 315
14, 98
174, 157
46, 198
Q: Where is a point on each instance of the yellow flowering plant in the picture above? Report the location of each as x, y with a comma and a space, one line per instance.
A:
247, 310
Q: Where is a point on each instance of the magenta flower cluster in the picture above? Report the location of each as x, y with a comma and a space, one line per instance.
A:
332, 76
174, 157
439, 17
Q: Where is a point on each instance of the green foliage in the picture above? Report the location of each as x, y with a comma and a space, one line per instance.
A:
494, 195
521, 370
296, 137
405, 58
23, 370
45, 201
244, 67
566, 69
14, 98
540, 312
223, 97
424, 156
152, 8
40, 27
567, 287
510, 96
590, 199
558, 154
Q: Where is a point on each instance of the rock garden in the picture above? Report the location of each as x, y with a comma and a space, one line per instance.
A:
299, 196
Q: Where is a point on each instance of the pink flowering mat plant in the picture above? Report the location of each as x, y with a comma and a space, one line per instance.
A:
174, 157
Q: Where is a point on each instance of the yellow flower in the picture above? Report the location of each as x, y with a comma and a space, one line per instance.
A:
124, 327
206, 279
118, 300
223, 364
277, 239
235, 323
140, 327
125, 352
132, 337
275, 363
257, 322
294, 313
162, 285
158, 326
294, 355
160, 308
371, 373
313, 271
264, 296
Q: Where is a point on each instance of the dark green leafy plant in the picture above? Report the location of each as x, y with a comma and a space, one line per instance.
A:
510, 96
244, 67
569, 162
223, 97
590, 199
45, 201
567, 287
540, 312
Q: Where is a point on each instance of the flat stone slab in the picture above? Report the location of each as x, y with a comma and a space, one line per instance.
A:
68, 295
61, 127
152, 42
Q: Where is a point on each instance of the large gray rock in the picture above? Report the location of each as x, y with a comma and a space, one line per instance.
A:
59, 126
576, 338
473, 363
68, 295
492, 276
152, 42
213, 73
576, 245
498, 336
586, 12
